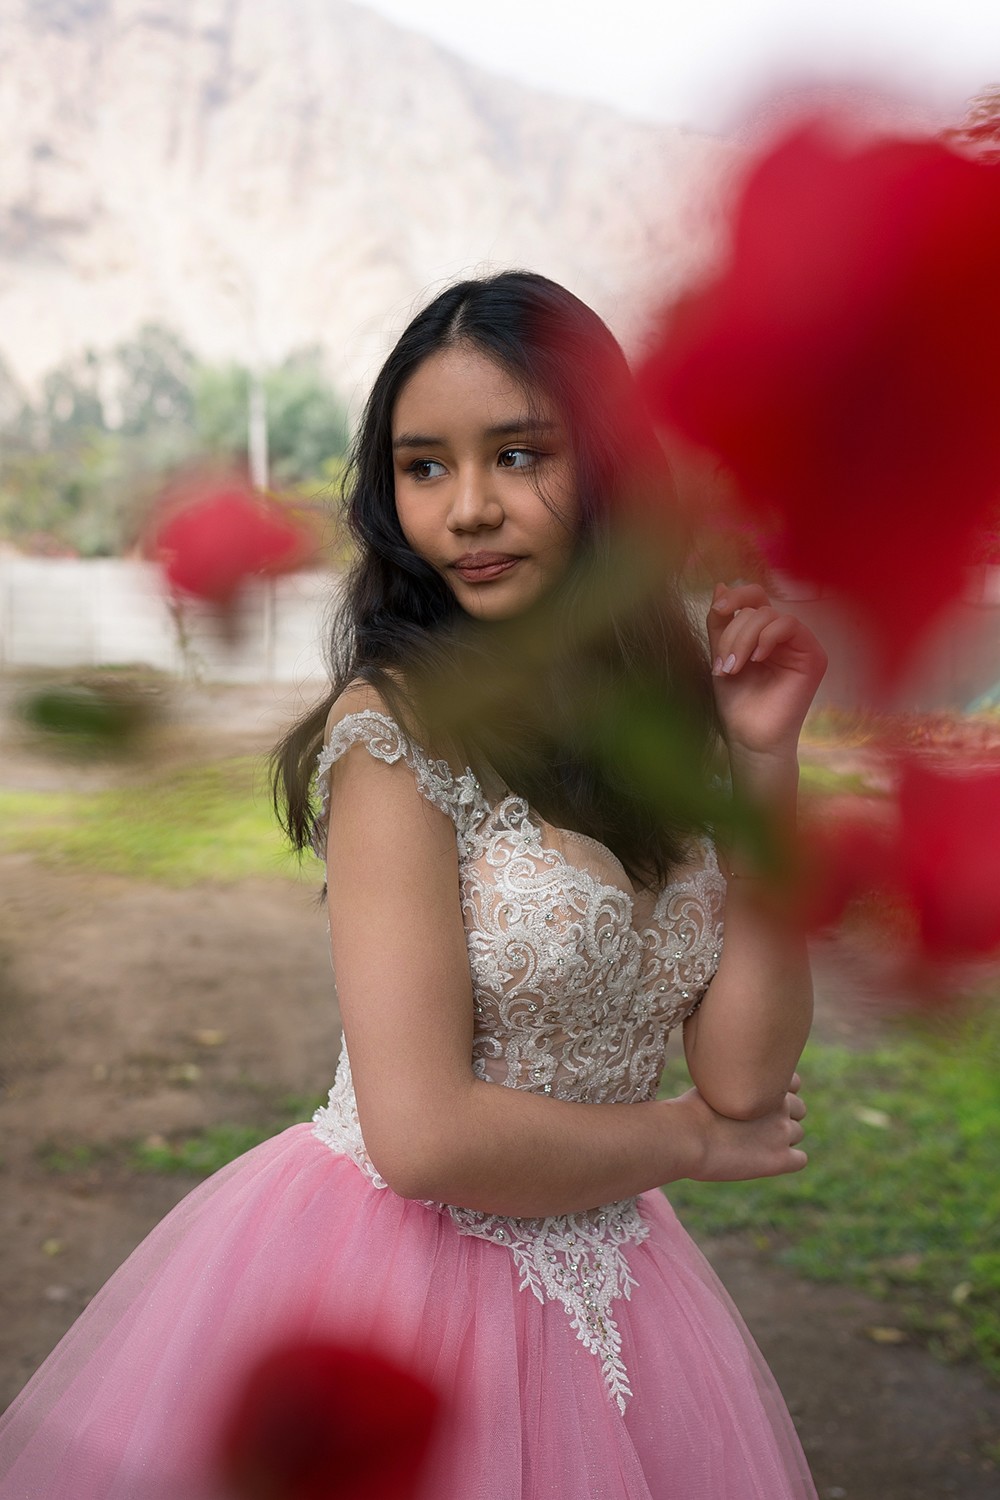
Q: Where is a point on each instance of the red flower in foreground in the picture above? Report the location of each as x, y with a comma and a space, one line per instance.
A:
949, 857
218, 534
843, 856
936, 854
326, 1421
844, 367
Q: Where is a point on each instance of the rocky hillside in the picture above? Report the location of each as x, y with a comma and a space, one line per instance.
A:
272, 173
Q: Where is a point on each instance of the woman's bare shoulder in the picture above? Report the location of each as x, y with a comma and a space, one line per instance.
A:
358, 697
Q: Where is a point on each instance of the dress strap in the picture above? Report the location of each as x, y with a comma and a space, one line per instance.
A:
460, 797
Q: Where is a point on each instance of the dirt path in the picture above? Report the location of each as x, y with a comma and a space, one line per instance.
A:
130, 1010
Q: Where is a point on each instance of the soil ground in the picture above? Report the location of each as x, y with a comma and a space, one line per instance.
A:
130, 1010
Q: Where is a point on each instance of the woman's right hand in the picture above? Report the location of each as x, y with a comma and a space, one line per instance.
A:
737, 1150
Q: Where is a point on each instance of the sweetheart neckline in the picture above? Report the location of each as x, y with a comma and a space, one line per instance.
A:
631, 895
474, 791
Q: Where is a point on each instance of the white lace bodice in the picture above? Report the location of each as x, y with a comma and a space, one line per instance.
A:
577, 981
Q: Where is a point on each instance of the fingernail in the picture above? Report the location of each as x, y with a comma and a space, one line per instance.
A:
721, 604
729, 663
755, 654
717, 668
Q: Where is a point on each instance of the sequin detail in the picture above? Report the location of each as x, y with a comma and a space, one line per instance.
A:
577, 1260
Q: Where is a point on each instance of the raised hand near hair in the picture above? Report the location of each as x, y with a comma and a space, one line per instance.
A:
766, 666
744, 1041
737, 1150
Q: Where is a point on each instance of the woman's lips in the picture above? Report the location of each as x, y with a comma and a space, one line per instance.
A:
484, 568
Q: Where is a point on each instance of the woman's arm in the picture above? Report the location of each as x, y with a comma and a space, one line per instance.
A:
435, 1131
744, 1041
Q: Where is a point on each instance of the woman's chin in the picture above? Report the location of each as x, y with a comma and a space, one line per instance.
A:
500, 599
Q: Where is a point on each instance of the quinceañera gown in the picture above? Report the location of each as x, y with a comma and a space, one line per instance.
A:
587, 1355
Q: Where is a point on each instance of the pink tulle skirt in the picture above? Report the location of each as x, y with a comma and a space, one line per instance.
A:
293, 1240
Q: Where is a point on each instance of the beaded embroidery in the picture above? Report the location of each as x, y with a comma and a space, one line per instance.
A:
577, 1260
575, 994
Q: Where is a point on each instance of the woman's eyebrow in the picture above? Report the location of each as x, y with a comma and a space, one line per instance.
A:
522, 427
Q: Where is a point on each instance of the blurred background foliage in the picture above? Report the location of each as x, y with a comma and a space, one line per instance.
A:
82, 459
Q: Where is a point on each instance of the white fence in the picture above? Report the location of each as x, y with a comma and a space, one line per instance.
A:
70, 612
75, 612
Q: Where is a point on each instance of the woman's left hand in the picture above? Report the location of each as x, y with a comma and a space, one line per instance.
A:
766, 669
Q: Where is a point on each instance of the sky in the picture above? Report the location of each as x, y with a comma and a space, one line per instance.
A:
704, 63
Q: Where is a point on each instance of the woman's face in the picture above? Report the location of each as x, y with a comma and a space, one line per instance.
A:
485, 488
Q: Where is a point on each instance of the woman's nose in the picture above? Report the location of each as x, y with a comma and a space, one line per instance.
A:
474, 502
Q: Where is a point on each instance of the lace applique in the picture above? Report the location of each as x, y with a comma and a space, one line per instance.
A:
576, 985
578, 1261
460, 797
682, 944
573, 997
337, 1125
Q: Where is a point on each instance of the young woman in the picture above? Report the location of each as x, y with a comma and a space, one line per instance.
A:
515, 928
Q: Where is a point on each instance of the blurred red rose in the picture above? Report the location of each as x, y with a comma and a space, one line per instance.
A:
327, 1421
934, 852
216, 533
844, 855
948, 856
844, 367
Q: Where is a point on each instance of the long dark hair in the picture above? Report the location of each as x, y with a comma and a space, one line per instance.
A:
399, 628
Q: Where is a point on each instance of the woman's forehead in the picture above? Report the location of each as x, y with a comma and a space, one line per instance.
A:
463, 386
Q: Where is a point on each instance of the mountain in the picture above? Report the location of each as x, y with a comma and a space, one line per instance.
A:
266, 174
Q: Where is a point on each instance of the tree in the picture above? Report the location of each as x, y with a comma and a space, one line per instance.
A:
13, 401
306, 422
155, 373
80, 465
70, 404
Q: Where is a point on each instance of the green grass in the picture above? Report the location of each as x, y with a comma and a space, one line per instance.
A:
64, 1159
210, 823
902, 1193
200, 1154
205, 1151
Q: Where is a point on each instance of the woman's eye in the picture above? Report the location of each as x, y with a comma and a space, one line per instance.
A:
426, 468
517, 458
